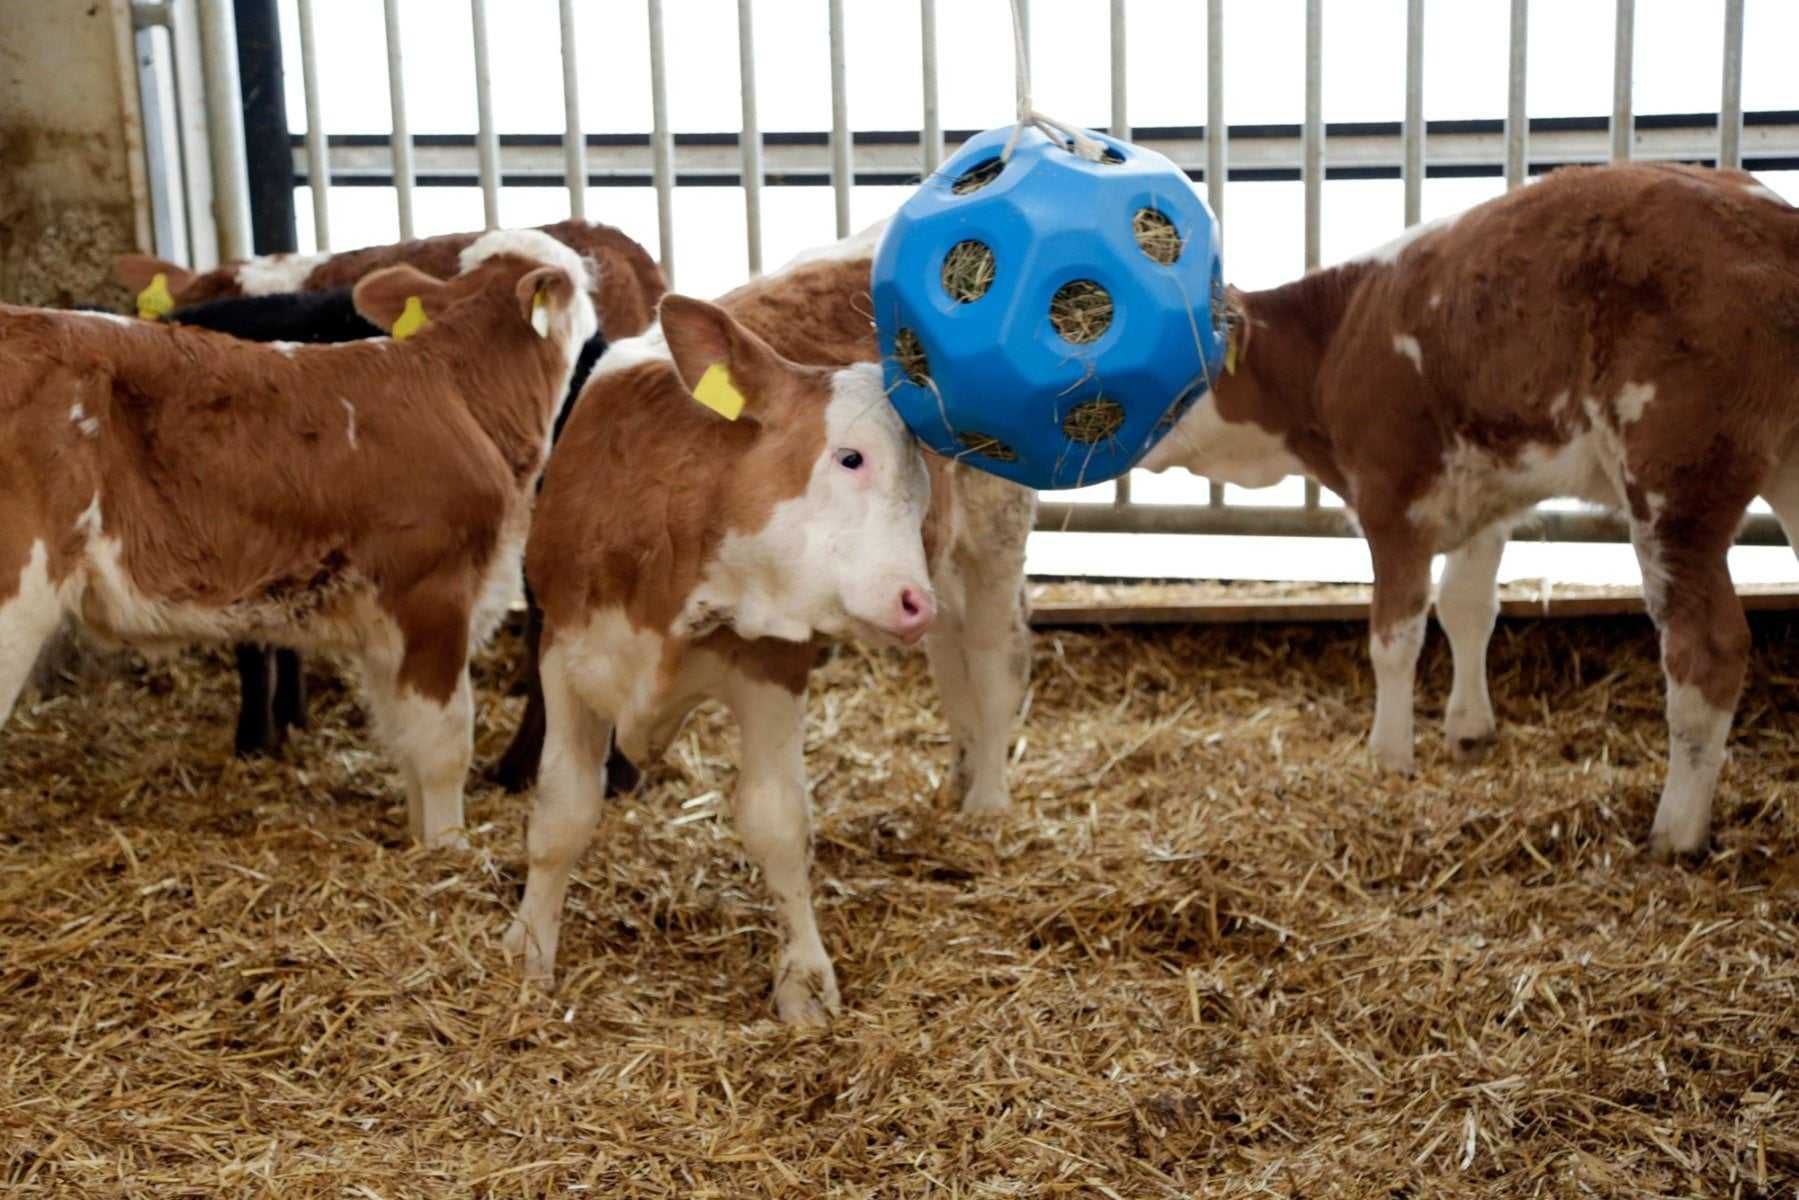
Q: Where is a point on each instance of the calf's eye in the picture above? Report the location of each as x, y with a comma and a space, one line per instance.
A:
850, 460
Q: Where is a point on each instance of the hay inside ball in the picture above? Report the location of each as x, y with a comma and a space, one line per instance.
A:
1048, 318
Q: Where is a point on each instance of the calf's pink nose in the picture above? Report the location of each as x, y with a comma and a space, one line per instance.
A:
916, 610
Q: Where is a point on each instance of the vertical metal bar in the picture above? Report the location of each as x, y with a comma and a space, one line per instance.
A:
318, 164
1623, 54
487, 140
396, 105
1517, 123
1313, 148
662, 145
574, 142
225, 127
751, 137
1414, 111
1217, 133
840, 123
1121, 125
1314, 157
1121, 128
933, 119
1730, 107
162, 142
1217, 143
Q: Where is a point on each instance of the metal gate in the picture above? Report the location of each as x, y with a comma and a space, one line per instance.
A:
198, 166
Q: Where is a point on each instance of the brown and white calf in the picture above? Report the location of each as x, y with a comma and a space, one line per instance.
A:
680, 556
627, 281
163, 484
1626, 335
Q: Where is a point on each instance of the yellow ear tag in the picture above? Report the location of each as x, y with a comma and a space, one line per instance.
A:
718, 393
412, 319
540, 315
155, 299
1230, 356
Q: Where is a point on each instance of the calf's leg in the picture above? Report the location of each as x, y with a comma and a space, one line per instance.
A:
1705, 652
29, 615
290, 690
980, 647
566, 812
774, 821
516, 769
257, 729
418, 687
1396, 635
1467, 606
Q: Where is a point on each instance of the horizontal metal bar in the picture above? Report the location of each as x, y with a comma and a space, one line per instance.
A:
1759, 529
1372, 150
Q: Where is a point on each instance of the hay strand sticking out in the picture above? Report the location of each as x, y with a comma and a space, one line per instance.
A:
1156, 236
1093, 420
968, 271
908, 351
1081, 311
990, 447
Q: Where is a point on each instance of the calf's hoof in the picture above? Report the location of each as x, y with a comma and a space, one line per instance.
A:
986, 802
806, 994
538, 967
1667, 845
452, 838
1471, 747
1395, 759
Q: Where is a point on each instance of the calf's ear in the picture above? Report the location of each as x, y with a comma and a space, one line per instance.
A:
156, 284
542, 293
399, 299
727, 367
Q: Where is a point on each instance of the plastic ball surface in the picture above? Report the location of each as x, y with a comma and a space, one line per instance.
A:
1050, 318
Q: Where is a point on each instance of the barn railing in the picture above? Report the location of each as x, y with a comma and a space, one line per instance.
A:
1311, 152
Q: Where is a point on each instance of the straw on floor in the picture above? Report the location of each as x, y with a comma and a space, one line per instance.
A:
1212, 953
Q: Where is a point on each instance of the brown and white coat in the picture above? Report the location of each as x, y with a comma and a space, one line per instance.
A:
1626, 335
163, 484
679, 556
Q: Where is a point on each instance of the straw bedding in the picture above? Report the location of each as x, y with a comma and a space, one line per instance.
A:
1211, 953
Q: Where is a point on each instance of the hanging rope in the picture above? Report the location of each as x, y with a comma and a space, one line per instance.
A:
1067, 135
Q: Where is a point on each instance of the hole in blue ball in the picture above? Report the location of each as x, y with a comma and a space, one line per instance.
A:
977, 176
1156, 236
1081, 311
968, 271
1095, 420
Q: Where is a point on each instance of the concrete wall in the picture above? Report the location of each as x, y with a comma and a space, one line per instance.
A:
72, 189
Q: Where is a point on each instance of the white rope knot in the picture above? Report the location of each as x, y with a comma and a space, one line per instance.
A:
1069, 136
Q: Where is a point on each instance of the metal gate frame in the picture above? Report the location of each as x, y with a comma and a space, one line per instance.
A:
1410, 150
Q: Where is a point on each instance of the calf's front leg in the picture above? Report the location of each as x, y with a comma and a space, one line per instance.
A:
774, 821
1396, 635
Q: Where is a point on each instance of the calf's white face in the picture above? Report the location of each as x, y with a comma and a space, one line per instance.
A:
856, 534
840, 550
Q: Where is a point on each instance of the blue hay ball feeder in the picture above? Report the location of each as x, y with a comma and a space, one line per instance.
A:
1048, 319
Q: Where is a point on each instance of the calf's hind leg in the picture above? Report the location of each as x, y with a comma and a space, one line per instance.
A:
419, 688
1705, 652
1467, 606
1396, 635
29, 614
567, 810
